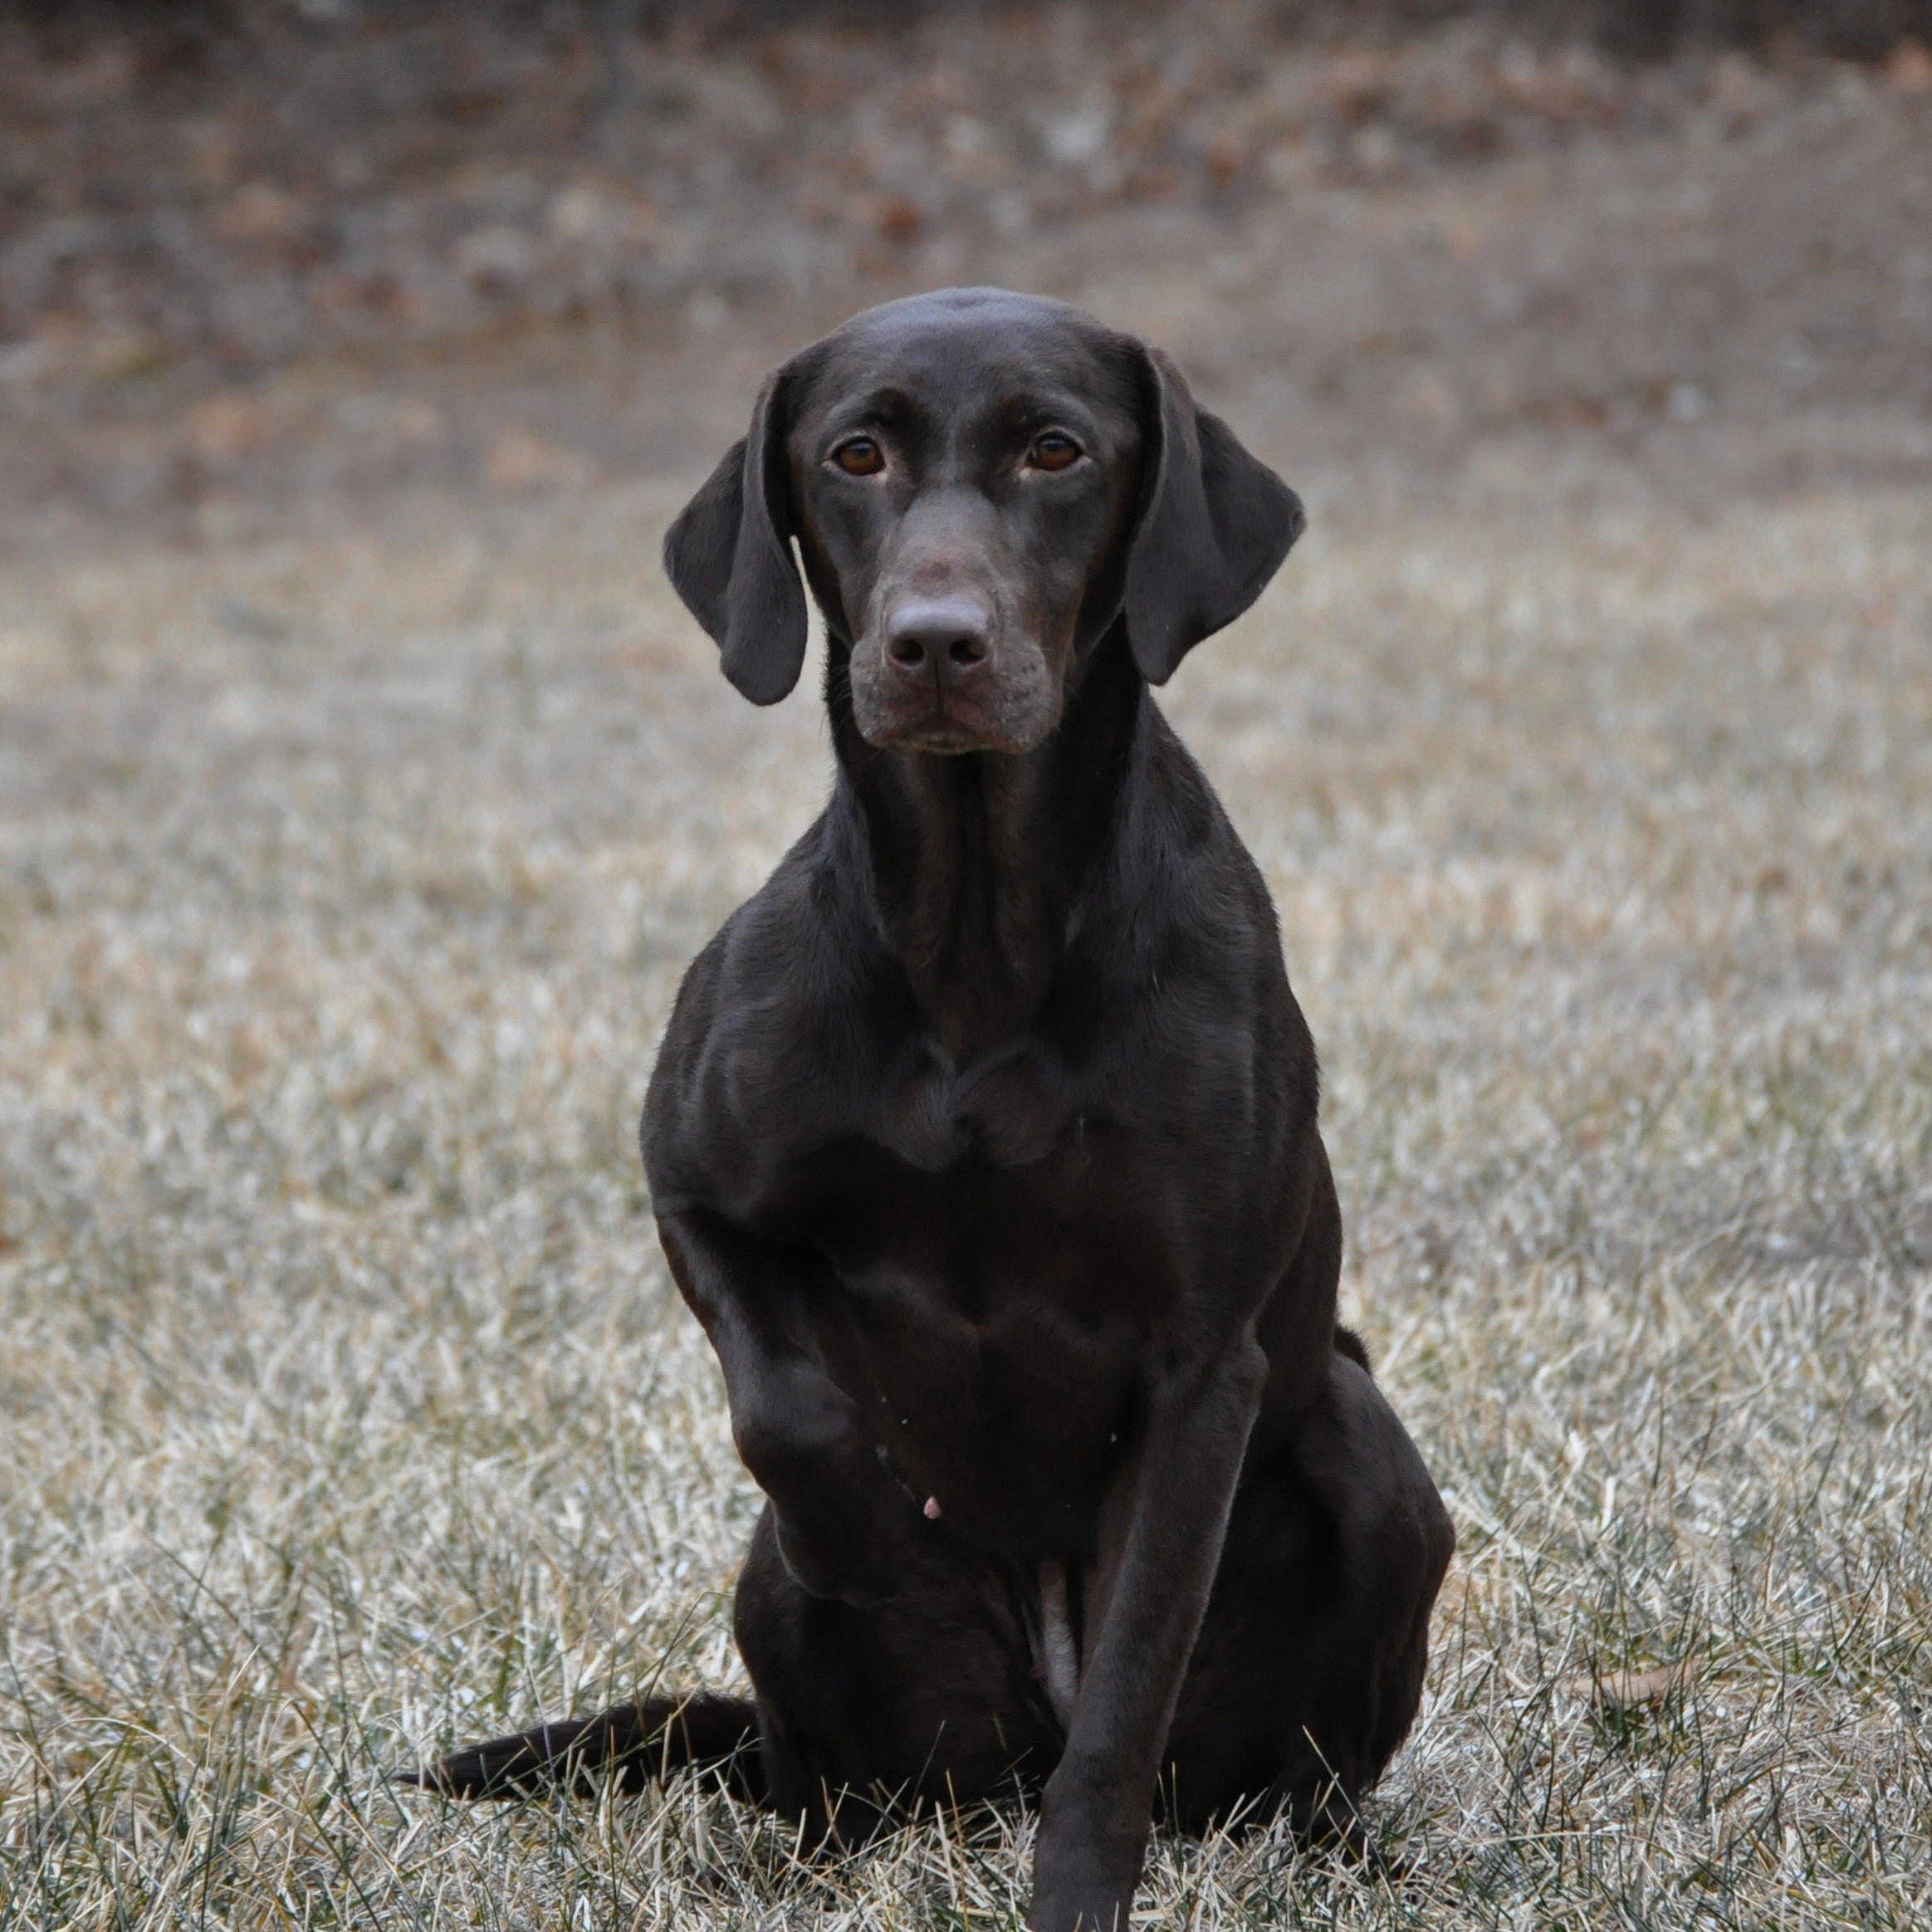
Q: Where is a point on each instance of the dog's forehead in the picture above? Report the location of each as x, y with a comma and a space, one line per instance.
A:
964, 348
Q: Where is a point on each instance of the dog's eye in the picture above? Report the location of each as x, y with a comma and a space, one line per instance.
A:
859, 457
1054, 451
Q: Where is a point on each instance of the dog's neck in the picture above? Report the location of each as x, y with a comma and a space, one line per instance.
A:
977, 860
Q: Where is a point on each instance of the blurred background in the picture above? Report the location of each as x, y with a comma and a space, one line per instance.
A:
249, 247
364, 791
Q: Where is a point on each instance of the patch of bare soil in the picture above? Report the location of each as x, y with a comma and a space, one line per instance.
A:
434, 246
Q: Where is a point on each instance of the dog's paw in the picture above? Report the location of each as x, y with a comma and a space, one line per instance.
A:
1079, 1908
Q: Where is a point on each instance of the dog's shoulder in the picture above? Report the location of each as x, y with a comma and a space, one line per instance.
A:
763, 1042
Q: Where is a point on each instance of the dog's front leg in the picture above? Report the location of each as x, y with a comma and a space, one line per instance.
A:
1099, 1801
843, 1522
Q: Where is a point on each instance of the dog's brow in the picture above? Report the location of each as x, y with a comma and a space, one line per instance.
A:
887, 406
1031, 409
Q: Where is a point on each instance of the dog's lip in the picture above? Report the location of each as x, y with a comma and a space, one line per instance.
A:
938, 727
937, 730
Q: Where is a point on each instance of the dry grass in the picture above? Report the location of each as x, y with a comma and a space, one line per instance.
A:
346, 883
347, 864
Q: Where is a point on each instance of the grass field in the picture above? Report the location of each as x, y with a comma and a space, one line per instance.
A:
349, 859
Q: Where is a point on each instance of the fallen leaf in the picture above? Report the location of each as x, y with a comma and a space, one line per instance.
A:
1622, 1690
226, 426
1908, 68
518, 461
899, 220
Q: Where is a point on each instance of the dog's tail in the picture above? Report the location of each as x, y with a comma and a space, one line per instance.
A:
633, 1743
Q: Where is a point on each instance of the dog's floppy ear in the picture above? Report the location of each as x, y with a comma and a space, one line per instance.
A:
729, 554
1215, 524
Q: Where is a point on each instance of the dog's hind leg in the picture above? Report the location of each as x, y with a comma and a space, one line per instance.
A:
1308, 1670
929, 1696
634, 1743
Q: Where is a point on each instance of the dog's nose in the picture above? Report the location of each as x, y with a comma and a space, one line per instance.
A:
939, 640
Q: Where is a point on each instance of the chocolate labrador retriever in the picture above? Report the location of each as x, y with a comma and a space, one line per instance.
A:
983, 1144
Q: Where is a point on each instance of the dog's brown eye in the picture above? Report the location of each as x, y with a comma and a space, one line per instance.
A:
860, 457
1054, 451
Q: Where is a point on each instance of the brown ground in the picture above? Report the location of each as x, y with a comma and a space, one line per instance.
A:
363, 791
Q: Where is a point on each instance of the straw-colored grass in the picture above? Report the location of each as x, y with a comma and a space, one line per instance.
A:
345, 882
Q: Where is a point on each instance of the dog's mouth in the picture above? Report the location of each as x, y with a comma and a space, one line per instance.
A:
939, 730
950, 733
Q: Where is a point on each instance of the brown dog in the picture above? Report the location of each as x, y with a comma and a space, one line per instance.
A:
983, 1144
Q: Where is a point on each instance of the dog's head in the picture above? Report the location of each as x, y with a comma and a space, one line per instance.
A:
980, 484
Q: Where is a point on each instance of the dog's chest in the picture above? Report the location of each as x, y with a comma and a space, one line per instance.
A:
991, 1315
1014, 1113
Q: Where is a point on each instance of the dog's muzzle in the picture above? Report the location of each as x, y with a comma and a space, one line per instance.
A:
941, 674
